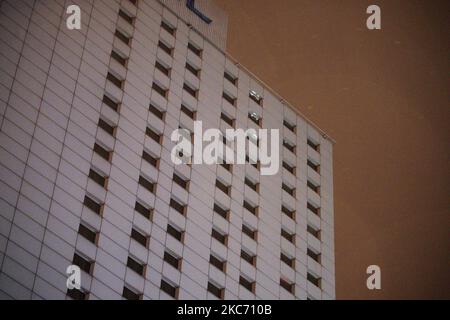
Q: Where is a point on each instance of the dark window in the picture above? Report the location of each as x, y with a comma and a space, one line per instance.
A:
256, 165
188, 112
130, 294
168, 288
110, 103
251, 233
289, 213
313, 255
289, 125
288, 167
229, 98
152, 134
150, 186
143, 210
227, 166
288, 189
158, 113
98, 178
313, 166
168, 27
106, 126
172, 260
87, 233
249, 207
190, 90
222, 238
102, 152
162, 68
218, 292
255, 118
195, 50
133, 2
289, 261
118, 58
165, 48
83, 263
220, 185
222, 212
125, 39
313, 208
227, 119
175, 233
251, 184
116, 81
126, 16
135, 266
255, 97
313, 145
149, 158
313, 187
177, 206
230, 77
313, 279
248, 257
92, 204
219, 264
250, 286
139, 237
180, 181
288, 236
289, 146
288, 286
192, 69
313, 231
159, 89
76, 294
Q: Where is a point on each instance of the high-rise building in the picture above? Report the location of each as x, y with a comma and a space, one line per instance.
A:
86, 176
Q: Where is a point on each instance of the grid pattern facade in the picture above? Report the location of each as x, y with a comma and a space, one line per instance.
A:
86, 176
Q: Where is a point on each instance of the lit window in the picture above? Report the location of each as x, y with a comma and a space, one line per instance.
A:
255, 118
255, 97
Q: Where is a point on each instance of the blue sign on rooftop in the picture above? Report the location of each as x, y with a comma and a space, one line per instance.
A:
191, 6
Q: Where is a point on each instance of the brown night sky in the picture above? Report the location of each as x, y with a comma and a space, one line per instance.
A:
384, 96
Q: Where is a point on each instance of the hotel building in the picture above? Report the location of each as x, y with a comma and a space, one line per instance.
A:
86, 176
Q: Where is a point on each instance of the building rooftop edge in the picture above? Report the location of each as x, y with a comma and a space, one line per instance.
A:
255, 77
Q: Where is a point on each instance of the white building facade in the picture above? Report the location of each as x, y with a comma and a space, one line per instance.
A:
86, 176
